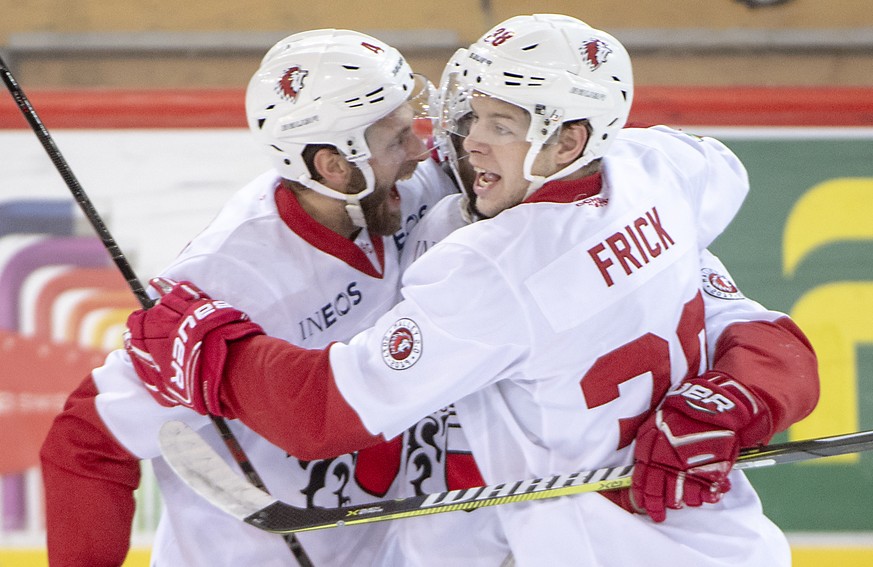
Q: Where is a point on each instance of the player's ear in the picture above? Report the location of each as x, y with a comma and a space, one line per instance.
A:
334, 170
571, 143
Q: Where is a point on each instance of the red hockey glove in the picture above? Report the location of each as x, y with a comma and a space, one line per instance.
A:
686, 449
178, 346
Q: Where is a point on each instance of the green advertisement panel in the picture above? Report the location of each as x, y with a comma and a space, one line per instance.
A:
803, 244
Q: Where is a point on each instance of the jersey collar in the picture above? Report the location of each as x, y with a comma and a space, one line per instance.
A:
568, 191
325, 239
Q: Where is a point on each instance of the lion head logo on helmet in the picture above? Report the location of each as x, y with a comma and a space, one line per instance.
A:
594, 53
291, 83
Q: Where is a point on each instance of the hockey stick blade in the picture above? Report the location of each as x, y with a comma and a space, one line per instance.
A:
195, 462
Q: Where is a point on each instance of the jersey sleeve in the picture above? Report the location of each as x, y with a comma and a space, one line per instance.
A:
129, 411
723, 301
762, 349
784, 373
288, 395
90, 463
89, 479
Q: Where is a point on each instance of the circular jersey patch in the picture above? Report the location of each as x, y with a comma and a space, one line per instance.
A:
719, 285
401, 344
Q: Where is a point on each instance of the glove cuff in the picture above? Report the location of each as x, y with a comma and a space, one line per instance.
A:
215, 342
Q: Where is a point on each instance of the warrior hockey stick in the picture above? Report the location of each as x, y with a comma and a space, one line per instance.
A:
205, 472
126, 270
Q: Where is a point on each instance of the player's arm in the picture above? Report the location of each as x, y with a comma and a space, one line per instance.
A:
762, 349
763, 377
206, 355
297, 405
89, 479
776, 362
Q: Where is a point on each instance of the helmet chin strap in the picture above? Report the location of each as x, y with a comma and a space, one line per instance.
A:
353, 201
536, 181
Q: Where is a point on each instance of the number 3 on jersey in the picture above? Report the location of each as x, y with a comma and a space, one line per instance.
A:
647, 354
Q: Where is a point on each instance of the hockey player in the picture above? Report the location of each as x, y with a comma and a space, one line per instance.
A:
581, 340
308, 249
742, 336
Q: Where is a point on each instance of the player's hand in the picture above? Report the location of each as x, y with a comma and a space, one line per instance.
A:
178, 346
686, 449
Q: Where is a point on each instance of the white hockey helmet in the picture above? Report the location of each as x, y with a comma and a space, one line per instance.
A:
558, 69
325, 87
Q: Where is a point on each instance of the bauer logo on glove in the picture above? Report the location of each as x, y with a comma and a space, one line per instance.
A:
704, 399
185, 354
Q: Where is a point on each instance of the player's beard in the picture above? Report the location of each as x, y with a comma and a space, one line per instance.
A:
381, 207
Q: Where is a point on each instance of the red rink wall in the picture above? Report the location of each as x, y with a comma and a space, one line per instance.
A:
675, 106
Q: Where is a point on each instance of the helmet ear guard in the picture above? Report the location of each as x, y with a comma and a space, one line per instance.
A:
557, 68
325, 87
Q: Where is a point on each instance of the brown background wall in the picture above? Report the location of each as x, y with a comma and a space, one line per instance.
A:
209, 43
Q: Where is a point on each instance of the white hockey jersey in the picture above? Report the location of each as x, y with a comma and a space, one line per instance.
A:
308, 286
474, 538
557, 326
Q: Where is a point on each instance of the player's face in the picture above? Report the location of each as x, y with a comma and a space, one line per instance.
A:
496, 146
396, 151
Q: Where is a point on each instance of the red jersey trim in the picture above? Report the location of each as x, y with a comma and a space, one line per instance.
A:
784, 375
324, 239
567, 191
291, 399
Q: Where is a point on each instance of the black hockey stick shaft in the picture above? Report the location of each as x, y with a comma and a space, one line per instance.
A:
73, 184
207, 474
125, 268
